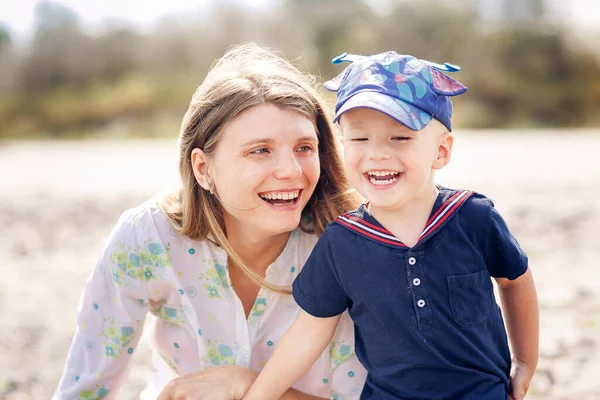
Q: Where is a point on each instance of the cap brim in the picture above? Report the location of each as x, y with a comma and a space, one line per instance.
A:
407, 114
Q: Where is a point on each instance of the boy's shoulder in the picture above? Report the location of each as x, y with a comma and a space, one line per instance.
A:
359, 214
358, 224
339, 226
477, 216
476, 208
475, 202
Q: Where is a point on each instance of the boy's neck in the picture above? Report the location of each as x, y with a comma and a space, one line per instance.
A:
408, 221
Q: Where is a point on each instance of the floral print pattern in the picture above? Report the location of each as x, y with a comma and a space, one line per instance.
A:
219, 353
340, 351
96, 394
199, 322
216, 278
117, 338
132, 264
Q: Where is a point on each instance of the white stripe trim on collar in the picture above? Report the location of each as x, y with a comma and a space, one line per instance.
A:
370, 230
448, 207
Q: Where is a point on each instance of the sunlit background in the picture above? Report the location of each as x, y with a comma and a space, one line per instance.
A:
127, 68
92, 94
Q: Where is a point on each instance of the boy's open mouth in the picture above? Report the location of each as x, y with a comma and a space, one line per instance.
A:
281, 197
382, 177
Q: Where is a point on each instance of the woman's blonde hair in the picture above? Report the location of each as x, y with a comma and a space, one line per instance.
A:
248, 75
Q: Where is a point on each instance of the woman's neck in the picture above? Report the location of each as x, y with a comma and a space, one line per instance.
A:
257, 251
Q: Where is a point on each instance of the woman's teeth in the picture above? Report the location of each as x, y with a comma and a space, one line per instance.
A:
284, 196
383, 177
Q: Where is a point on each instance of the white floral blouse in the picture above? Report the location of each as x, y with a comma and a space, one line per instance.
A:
199, 320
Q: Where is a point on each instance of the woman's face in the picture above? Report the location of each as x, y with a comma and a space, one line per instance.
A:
265, 169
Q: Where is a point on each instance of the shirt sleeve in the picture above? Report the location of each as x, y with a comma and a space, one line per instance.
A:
505, 258
110, 318
348, 374
317, 289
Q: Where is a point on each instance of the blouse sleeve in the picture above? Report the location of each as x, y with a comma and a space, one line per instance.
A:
110, 318
348, 374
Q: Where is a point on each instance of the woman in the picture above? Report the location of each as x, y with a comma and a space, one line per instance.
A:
261, 177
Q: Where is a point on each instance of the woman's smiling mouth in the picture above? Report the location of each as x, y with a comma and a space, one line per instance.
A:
282, 197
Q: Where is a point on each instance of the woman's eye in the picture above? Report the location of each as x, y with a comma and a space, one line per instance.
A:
262, 150
305, 149
359, 139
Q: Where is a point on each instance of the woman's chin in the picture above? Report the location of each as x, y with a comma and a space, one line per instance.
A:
283, 225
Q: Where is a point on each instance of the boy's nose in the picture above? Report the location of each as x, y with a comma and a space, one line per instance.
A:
379, 152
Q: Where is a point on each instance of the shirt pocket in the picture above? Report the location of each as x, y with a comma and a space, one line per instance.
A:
470, 297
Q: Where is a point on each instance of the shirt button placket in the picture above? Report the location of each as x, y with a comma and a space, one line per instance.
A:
419, 293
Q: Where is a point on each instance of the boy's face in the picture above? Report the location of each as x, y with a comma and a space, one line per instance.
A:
388, 163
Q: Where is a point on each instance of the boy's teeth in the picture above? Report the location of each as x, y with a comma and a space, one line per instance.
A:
382, 173
381, 181
379, 177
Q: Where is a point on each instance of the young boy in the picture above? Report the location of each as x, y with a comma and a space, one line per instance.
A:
412, 264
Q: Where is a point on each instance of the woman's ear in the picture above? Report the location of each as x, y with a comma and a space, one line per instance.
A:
200, 167
444, 151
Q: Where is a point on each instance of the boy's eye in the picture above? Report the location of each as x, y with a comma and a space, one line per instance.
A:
401, 138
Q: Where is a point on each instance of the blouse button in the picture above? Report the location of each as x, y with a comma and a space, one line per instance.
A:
421, 303
416, 281
412, 261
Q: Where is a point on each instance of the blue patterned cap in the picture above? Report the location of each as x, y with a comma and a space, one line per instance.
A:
408, 89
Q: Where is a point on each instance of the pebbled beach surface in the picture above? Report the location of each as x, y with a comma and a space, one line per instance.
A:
59, 201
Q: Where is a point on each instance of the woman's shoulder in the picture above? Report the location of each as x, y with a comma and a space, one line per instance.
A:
306, 238
303, 243
143, 220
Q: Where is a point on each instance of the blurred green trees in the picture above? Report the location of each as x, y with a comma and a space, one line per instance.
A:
118, 81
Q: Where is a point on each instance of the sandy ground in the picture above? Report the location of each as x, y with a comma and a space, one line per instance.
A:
58, 201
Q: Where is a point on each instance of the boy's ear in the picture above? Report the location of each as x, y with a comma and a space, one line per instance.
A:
200, 167
444, 151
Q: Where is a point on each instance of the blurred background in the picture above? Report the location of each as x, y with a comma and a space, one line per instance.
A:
78, 68
92, 95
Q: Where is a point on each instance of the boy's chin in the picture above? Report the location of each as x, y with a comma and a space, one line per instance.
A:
381, 206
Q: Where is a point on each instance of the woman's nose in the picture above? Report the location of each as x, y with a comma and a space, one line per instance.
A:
288, 167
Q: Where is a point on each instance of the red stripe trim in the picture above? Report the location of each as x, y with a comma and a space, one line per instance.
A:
450, 212
398, 243
368, 234
434, 216
363, 222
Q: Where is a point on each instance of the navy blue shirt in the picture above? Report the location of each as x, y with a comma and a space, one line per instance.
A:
426, 321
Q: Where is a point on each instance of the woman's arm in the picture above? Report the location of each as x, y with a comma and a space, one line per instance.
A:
348, 374
521, 314
220, 383
293, 394
295, 354
110, 320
